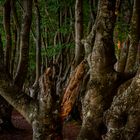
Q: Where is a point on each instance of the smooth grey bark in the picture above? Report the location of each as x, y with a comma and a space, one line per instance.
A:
37, 39
134, 39
1, 54
7, 27
24, 46
16, 48
79, 48
38, 42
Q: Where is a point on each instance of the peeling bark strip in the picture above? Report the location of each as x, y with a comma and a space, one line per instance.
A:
72, 90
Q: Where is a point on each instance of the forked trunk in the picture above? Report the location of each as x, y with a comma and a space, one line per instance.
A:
103, 78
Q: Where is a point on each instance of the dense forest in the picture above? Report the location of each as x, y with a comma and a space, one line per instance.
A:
71, 58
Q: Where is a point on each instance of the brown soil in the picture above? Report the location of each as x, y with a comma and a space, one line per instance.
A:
24, 130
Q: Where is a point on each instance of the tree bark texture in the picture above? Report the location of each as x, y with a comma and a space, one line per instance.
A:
5, 115
5, 107
16, 47
134, 39
38, 42
7, 26
123, 119
47, 125
92, 6
72, 90
102, 75
79, 48
121, 63
1, 54
42, 113
24, 46
37, 39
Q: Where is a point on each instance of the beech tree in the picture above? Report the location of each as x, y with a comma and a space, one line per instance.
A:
110, 107
105, 82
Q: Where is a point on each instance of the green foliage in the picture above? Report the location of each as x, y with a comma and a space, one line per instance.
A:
2, 32
121, 30
53, 6
54, 50
32, 55
2, 2
32, 60
123, 21
86, 13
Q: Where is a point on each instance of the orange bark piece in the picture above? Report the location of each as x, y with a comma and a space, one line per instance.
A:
72, 90
119, 44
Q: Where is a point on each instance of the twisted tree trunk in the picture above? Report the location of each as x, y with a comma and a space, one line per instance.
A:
103, 78
122, 119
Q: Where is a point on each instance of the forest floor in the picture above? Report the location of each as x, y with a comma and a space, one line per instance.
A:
24, 130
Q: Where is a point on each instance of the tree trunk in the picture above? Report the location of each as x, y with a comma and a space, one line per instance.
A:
123, 57
122, 119
1, 54
16, 49
24, 50
47, 125
37, 39
92, 6
134, 39
7, 12
5, 107
79, 48
42, 113
103, 78
38, 43
5, 115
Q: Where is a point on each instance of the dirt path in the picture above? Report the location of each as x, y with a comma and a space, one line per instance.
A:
24, 131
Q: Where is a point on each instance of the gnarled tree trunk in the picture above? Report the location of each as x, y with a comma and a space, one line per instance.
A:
103, 78
122, 118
